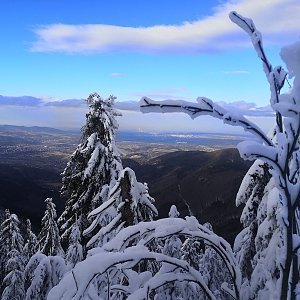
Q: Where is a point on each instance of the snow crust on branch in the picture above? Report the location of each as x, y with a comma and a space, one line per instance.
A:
117, 257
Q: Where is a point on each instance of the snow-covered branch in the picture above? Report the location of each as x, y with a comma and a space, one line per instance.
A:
204, 106
121, 262
275, 76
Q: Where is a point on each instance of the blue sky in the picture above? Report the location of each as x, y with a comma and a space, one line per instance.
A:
55, 50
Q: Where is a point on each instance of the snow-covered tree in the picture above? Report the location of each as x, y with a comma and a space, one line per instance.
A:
93, 168
173, 244
48, 241
31, 267
128, 203
11, 241
214, 271
30, 242
74, 253
14, 280
272, 244
112, 271
251, 193
171, 247
48, 272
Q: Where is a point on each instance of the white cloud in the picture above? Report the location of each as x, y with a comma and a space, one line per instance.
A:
248, 108
245, 108
64, 113
278, 20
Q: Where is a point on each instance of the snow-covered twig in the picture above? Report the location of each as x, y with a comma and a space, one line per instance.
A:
204, 106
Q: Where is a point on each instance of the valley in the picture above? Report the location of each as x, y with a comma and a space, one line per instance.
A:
201, 179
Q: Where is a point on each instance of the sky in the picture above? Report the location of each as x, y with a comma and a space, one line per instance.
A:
56, 52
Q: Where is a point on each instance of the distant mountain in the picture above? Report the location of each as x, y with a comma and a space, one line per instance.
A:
36, 129
23, 190
203, 183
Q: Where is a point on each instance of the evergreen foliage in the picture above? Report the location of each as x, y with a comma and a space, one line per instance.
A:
74, 253
128, 204
11, 243
14, 280
134, 257
31, 241
49, 238
31, 267
47, 274
113, 270
93, 168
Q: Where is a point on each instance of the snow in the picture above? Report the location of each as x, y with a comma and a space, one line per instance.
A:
173, 212
47, 274
134, 257
127, 194
251, 150
243, 22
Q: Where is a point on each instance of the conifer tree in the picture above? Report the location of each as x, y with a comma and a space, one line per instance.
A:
49, 239
74, 253
214, 271
47, 274
31, 266
93, 168
14, 280
31, 241
11, 241
172, 247
129, 203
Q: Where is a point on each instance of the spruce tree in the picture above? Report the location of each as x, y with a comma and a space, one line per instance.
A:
31, 240
31, 266
74, 253
93, 168
11, 241
14, 280
129, 203
49, 239
47, 274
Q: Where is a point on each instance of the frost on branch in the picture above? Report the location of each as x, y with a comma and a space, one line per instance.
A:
267, 248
